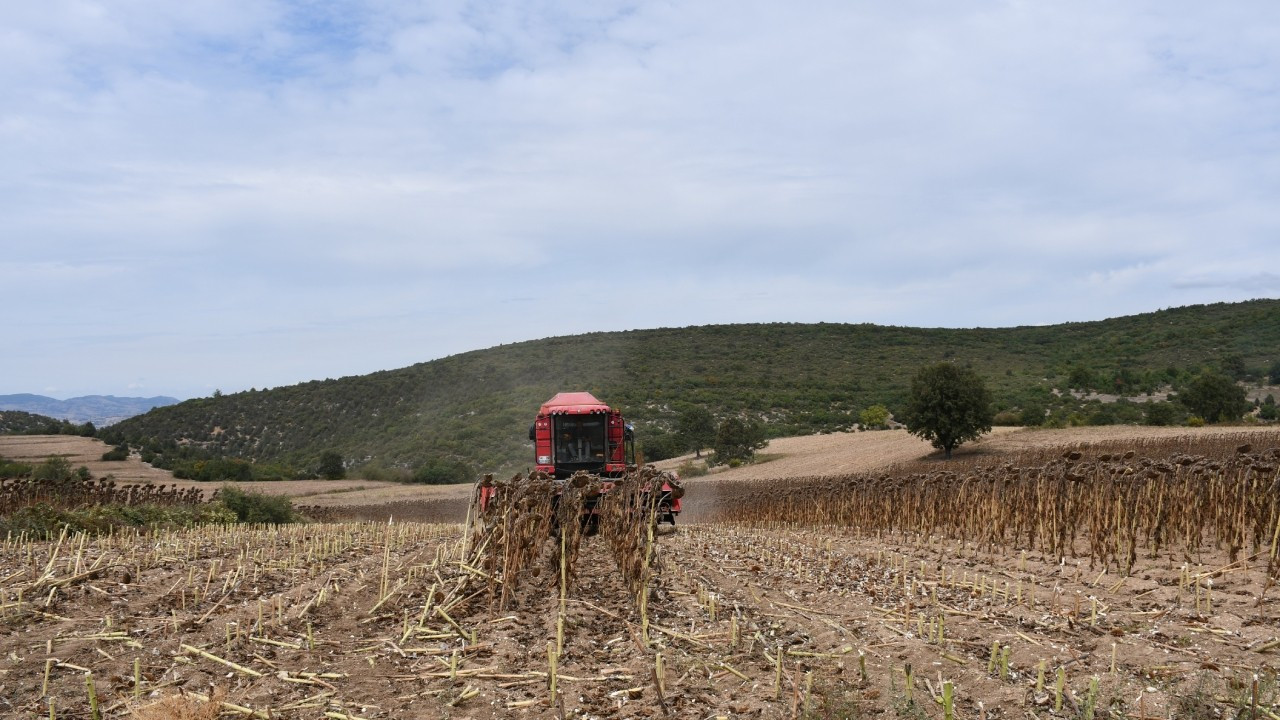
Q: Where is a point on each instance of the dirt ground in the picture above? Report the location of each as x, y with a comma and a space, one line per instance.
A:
863, 452
335, 621
328, 621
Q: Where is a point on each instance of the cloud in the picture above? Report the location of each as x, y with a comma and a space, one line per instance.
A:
1262, 283
319, 176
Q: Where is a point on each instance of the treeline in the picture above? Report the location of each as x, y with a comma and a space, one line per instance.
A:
17, 422
190, 462
469, 413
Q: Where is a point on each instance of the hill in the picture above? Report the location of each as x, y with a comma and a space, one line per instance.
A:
18, 422
101, 410
474, 408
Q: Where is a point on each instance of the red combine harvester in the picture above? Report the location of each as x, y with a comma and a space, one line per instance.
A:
576, 433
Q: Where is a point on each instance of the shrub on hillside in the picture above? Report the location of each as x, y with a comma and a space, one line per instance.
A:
659, 445
223, 469
875, 417
439, 471
117, 453
1160, 413
1007, 417
1032, 414
381, 472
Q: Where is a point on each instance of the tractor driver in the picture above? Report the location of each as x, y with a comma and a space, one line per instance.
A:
566, 447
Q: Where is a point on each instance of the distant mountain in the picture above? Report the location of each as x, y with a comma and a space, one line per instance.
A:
475, 408
101, 410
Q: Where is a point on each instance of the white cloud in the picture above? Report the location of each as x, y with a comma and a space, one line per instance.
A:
319, 176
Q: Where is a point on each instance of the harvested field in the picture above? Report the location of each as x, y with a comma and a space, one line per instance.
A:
972, 589
80, 451
811, 456
838, 454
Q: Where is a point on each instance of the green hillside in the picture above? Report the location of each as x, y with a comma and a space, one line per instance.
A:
20, 422
475, 408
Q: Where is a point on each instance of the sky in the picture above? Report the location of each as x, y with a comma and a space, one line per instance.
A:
235, 194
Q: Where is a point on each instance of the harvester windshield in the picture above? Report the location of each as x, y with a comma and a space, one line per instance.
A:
580, 440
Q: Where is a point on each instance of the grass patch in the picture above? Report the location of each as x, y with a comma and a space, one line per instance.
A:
335, 491
689, 468
834, 701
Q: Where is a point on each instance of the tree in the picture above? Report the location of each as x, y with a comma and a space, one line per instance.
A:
1233, 366
1161, 413
1274, 372
875, 417
948, 405
443, 471
697, 428
331, 467
656, 445
1214, 397
222, 469
738, 439
1081, 378
1033, 412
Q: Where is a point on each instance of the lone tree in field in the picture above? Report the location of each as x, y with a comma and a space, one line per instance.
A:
948, 405
738, 439
697, 429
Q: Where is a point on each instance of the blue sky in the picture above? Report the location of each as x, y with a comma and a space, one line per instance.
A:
232, 194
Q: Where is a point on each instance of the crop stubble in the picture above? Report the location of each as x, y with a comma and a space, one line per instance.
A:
768, 613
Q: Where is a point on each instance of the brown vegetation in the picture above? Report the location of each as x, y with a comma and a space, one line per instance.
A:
1114, 579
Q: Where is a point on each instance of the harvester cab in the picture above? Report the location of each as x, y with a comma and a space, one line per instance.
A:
576, 432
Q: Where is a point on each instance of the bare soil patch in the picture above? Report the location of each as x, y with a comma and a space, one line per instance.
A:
326, 621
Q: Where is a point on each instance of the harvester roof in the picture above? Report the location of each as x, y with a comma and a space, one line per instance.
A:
572, 403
